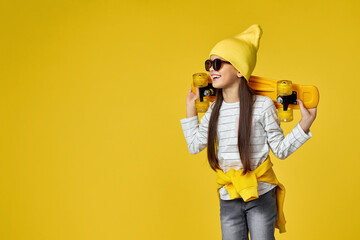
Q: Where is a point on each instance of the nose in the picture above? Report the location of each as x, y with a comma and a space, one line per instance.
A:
211, 67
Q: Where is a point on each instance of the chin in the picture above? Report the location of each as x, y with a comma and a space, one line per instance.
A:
216, 85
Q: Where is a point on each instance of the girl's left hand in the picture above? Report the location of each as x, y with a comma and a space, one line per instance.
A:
307, 116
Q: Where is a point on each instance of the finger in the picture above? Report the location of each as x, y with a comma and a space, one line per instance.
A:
300, 103
191, 91
303, 110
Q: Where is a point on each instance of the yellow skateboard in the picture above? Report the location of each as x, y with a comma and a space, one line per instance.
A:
282, 92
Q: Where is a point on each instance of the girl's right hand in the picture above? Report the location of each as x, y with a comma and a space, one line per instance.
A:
191, 97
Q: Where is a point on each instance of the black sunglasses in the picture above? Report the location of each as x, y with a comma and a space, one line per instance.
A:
216, 63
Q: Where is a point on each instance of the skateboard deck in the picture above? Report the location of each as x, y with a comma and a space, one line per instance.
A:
283, 92
268, 87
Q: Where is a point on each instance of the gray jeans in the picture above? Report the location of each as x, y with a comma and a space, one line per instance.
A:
257, 216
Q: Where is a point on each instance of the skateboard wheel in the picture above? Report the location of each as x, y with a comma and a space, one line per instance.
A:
285, 116
202, 106
208, 92
284, 87
200, 79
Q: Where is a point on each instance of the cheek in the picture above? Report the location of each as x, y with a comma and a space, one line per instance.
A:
227, 80
224, 78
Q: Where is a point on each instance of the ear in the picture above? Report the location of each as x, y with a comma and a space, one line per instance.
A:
239, 75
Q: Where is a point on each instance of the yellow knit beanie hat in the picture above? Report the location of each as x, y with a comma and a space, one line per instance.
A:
240, 50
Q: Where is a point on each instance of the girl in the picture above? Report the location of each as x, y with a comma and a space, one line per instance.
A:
251, 198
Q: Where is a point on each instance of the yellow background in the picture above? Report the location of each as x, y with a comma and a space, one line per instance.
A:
92, 93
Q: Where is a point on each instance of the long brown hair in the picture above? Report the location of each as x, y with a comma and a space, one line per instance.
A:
246, 109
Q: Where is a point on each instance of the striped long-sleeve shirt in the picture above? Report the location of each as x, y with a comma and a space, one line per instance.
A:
266, 133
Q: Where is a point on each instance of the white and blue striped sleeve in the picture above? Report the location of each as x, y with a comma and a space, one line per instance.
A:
196, 134
281, 146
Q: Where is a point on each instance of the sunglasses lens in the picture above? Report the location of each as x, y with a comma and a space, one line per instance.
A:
217, 64
207, 65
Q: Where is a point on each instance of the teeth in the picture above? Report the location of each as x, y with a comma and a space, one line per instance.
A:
215, 77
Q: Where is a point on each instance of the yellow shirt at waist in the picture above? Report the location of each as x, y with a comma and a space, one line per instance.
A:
246, 186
